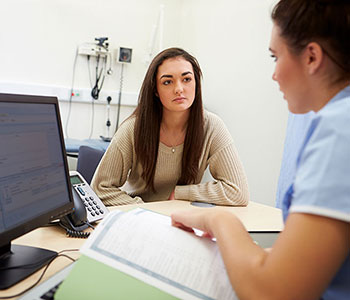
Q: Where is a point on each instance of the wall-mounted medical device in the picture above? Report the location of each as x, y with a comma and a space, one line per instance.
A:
124, 55
95, 49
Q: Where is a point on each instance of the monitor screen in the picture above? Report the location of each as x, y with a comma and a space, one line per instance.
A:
34, 180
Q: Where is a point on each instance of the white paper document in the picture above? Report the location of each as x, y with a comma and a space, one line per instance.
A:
144, 245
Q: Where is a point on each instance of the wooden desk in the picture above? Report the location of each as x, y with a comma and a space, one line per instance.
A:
255, 217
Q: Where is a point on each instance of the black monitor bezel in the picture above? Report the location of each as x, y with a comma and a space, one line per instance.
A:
8, 235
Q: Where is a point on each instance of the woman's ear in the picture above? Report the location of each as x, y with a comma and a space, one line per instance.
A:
314, 57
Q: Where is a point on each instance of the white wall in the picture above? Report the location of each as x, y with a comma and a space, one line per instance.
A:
230, 38
40, 38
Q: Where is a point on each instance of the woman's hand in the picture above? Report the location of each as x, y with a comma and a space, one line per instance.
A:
203, 219
172, 195
189, 219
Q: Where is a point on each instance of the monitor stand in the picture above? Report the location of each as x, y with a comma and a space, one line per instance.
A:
18, 262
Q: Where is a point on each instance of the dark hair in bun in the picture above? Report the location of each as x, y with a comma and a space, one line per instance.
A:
326, 22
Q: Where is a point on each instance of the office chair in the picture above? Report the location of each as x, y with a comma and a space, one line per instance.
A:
88, 160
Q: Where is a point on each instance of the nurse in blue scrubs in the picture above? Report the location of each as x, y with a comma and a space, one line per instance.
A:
310, 43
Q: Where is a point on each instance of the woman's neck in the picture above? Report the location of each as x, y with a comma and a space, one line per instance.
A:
173, 128
175, 122
323, 95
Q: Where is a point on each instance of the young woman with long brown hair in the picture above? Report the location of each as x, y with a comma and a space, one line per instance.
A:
163, 149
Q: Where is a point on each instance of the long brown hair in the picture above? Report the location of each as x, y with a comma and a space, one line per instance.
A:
149, 113
326, 22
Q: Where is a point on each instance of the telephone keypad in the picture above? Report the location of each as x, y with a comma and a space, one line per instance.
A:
93, 207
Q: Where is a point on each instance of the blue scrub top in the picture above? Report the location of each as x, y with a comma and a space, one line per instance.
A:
322, 181
297, 127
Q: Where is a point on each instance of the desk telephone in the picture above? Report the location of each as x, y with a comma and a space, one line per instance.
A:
88, 208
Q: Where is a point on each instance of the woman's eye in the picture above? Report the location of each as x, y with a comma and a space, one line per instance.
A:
187, 79
166, 82
274, 57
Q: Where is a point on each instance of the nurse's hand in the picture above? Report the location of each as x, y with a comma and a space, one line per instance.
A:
200, 218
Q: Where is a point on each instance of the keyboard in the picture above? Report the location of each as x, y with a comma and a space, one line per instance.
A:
47, 289
50, 293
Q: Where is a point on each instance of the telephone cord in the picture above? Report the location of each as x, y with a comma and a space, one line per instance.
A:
74, 233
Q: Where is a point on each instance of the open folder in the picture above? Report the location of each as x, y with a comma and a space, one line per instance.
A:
91, 279
139, 255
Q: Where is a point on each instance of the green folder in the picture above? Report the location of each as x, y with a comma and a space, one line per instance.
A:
91, 279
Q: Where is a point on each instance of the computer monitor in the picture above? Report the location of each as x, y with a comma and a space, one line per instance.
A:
34, 180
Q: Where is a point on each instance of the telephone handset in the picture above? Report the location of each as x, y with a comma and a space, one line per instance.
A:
88, 208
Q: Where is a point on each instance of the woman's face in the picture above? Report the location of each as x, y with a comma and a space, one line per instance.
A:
289, 73
176, 85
